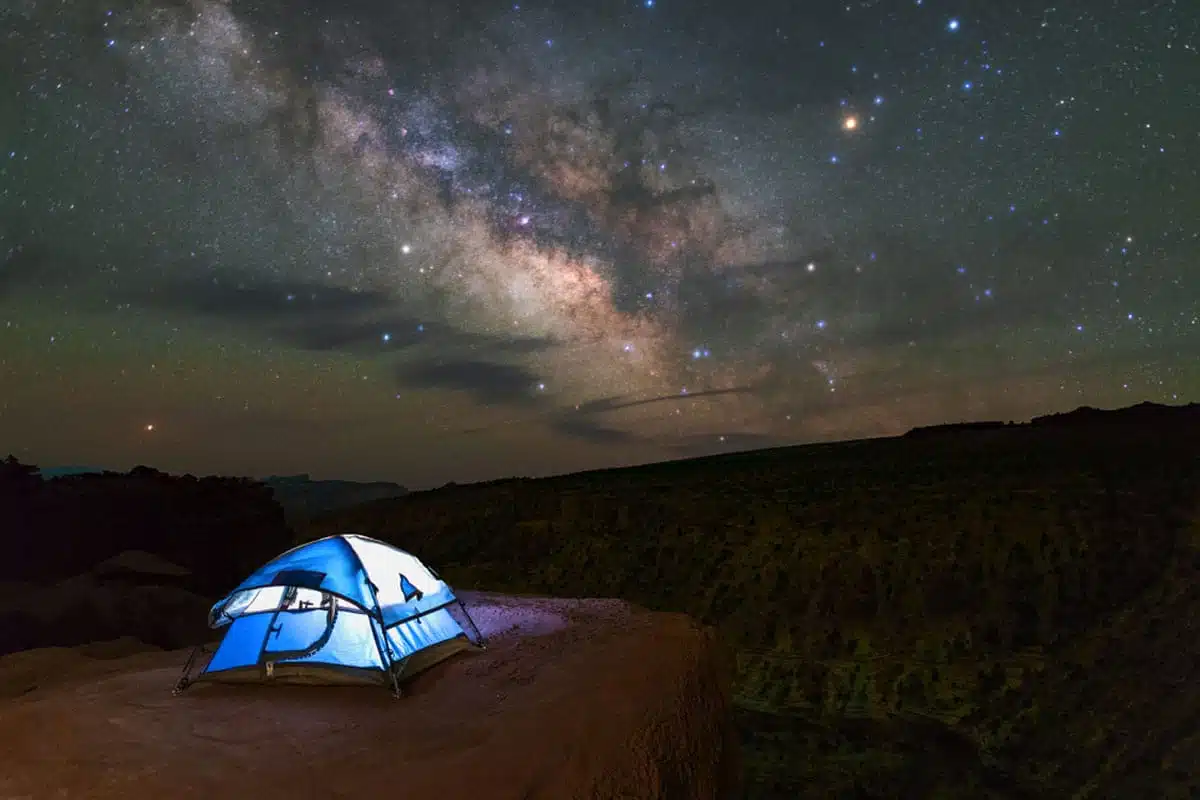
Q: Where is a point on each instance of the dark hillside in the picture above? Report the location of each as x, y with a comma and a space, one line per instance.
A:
217, 528
77, 568
995, 610
302, 498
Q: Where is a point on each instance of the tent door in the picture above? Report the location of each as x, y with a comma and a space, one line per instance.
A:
299, 631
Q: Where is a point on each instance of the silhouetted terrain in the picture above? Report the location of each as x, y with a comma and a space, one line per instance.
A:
980, 610
302, 497
72, 572
995, 610
49, 473
216, 528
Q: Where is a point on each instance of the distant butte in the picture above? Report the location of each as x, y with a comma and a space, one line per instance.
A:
1084, 416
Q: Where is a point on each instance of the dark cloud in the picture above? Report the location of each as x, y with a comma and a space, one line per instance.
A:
394, 333
354, 335
489, 382
580, 422
579, 428
237, 297
320, 317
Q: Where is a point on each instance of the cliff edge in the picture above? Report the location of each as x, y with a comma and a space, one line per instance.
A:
572, 699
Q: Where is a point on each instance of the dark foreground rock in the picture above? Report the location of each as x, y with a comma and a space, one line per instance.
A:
572, 699
134, 594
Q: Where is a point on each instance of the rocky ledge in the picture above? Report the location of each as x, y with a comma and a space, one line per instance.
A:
572, 699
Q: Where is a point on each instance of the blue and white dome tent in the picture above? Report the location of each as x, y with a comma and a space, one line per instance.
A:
346, 609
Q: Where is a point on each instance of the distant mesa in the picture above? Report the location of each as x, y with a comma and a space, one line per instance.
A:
64, 472
288, 480
302, 497
1082, 417
299, 495
957, 427
1140, 414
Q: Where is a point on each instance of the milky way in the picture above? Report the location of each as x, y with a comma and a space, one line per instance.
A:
598, 235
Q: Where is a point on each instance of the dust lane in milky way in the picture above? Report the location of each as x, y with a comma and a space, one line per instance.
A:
432, 243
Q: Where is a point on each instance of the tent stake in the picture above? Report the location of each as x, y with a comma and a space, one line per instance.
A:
184, 679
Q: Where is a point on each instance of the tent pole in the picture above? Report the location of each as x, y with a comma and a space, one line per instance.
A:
389, 665
384, 651
384, 658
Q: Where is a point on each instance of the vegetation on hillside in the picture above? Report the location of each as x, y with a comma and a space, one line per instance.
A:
219, 529
1000, 611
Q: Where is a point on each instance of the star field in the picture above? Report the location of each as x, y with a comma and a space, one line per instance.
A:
431, 242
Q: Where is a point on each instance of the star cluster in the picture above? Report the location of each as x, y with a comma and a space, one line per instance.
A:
429, 241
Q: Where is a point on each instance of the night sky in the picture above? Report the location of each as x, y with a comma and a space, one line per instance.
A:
424, 241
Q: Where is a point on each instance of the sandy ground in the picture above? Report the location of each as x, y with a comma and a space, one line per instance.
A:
572, 698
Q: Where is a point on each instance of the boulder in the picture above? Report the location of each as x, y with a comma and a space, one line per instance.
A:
571, 699
135, 595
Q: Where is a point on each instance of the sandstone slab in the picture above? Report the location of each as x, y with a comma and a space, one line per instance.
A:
572, 699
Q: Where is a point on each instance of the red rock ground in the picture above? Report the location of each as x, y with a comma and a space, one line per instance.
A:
572, 699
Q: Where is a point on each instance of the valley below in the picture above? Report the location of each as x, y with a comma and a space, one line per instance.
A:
973, 611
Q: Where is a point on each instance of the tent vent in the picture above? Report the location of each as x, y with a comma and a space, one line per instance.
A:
302, 578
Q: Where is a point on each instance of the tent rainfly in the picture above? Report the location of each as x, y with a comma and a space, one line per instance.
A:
346, 609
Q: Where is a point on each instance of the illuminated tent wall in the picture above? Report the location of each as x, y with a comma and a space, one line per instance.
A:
345, 609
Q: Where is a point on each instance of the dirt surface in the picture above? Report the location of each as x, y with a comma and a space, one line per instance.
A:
572, 699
